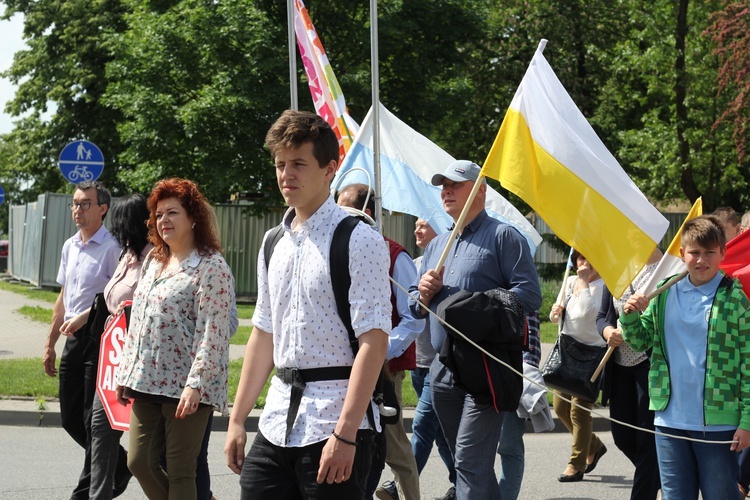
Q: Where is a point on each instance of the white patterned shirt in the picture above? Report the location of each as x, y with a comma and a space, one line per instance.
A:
296, 304
624, 354
179, 330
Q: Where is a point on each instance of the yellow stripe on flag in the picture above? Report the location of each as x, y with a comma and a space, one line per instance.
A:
547, 153
569, 205
695, 211
671, 262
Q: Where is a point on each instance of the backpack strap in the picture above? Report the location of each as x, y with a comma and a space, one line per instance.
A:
338, 264
340, 278
726, 281
341, 281
274, 235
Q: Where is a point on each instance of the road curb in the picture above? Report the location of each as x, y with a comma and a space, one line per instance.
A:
26, 413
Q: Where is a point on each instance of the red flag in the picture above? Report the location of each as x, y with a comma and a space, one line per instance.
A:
737, 261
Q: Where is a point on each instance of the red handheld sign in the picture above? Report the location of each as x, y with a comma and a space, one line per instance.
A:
110, 352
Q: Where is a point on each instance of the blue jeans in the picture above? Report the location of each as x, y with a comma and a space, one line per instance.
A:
688, 466
628, 403
511, 451
472, 431
745, 467
425, 426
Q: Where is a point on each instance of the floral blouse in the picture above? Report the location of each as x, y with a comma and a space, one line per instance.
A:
179, 330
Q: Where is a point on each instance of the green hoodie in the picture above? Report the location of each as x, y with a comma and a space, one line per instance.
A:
726, 396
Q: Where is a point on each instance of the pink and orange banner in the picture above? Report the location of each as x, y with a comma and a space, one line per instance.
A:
326, 94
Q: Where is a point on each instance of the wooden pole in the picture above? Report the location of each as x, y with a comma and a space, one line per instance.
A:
562, 288
460, 222
650, 296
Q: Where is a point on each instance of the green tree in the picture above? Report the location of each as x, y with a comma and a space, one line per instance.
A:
63, 68
9, 180
661, 102
198, 84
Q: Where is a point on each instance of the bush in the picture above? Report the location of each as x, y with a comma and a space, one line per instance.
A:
550, 272
550, 289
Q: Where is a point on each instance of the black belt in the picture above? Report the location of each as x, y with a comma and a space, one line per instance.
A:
298, 379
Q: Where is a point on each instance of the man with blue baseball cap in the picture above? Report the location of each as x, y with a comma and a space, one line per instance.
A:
487, 254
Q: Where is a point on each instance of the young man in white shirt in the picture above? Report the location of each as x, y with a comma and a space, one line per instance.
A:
317, 444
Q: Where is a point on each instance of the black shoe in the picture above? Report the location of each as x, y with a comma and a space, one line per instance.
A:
121, 484
387, 491
574, 478
449, 495
599, 454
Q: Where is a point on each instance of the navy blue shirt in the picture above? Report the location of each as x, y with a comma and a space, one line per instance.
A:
488, 254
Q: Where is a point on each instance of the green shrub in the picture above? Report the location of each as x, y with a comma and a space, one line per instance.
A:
550, 289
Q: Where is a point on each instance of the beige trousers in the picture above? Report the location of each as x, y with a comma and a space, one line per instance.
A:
399, 455
579, 423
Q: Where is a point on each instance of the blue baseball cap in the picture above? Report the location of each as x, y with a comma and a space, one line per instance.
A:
458, 171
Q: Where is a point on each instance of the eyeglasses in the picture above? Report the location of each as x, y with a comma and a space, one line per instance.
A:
84, 205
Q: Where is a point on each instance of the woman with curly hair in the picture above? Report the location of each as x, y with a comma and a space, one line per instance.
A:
176, 353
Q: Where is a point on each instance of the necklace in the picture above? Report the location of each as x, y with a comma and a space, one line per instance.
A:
170, 267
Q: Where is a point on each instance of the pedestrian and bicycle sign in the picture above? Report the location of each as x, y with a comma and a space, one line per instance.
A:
81, 161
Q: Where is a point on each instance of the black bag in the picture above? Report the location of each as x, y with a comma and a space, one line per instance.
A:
493, 319
570, 365
97, 318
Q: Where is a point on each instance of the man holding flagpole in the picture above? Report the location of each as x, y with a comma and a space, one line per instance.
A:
487, 254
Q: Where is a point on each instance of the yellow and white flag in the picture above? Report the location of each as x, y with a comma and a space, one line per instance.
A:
548, 154
670, 262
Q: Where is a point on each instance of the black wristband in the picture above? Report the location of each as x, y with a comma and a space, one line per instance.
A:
353, 443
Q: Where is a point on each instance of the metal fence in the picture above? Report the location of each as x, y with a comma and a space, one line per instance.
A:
38, 231
242, 235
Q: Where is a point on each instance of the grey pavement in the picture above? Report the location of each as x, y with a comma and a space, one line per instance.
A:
44, 463
39, 460
19, 336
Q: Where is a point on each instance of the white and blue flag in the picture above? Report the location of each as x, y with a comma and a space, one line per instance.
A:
408, 160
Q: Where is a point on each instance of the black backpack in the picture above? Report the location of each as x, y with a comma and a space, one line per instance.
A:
385, 393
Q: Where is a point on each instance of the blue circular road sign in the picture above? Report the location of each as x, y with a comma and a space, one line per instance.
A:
81, 161
2, 195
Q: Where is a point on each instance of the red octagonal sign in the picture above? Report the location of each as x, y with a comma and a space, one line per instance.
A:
110, 353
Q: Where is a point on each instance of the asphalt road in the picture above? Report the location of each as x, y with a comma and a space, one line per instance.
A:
44, 463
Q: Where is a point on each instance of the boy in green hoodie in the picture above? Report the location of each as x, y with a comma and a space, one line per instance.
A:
699, 381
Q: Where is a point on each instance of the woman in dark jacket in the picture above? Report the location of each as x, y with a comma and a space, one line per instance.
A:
625, 384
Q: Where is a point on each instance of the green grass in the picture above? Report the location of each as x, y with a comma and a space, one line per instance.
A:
548, 332
36, 313
550, 289
245, 311
240, 338
32, 293
410, 397
26, 377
